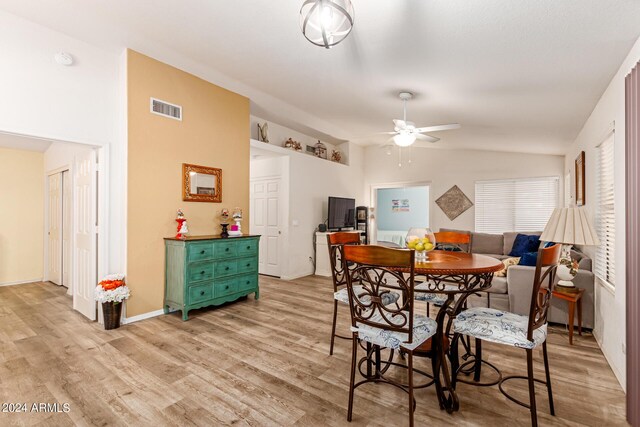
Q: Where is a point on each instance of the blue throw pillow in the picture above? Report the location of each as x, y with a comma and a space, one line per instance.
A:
524, 243
529, 258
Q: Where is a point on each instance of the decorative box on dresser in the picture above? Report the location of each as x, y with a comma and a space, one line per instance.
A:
201, 271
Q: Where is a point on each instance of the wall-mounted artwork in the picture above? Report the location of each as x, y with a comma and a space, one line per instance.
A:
400, 205
580, 183
454, 202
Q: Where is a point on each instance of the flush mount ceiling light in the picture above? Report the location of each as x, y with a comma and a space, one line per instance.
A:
326, 23
63, 58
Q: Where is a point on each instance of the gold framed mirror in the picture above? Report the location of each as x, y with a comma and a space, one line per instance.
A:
201, 184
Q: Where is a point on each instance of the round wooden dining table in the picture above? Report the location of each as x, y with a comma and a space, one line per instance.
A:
456, 275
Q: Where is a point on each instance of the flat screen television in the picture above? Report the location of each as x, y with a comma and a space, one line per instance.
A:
342, 213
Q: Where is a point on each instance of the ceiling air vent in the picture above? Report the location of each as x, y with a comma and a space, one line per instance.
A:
166, 109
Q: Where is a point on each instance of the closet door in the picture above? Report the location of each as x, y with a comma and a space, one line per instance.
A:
84, 234
67, 226
54, 262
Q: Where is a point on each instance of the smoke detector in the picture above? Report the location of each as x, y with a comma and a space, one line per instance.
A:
63, 58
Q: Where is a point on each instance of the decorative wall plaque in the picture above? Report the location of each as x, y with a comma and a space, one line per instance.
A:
454, 202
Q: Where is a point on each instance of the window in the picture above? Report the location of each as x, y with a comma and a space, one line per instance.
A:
605, 215
515, 204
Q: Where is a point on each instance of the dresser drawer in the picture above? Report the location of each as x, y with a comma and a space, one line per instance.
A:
199, 252
225, 287
247, 247
247, 282
222, 250
225, 268
200, 271
246, 265
200, 293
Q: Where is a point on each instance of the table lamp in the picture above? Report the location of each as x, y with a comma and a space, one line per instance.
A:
569, 226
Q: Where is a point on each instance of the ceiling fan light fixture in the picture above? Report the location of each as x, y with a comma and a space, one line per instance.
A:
326, 23
404, 139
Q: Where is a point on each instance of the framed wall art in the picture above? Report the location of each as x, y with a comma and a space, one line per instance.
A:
580, 182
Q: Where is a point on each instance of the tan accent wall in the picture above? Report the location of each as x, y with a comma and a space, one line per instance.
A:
21, 215
214, 132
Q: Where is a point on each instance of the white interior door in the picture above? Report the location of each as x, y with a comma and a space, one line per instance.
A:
266, 220
67, 232
84, 234
54, 260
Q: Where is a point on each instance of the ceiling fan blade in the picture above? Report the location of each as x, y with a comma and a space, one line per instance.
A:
427, 138
437, 128
400, 124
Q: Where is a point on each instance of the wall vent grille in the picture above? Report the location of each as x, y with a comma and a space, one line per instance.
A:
166, 109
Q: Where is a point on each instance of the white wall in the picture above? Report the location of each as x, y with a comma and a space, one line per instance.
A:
310, 181
83, 103
446, 168
609, 304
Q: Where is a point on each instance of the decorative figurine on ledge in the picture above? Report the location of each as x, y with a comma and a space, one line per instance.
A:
263, 132
336, 156
182, 225
236, 229
321, 150
224, 214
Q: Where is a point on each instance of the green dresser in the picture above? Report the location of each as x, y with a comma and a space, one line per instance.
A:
209, 270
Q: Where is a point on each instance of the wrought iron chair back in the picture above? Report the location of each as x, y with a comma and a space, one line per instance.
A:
373, 273
541, 297
336, 242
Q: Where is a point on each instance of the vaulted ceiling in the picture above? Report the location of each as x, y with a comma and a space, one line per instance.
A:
518, 75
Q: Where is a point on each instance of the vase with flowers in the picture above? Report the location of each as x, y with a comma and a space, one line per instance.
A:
111, 292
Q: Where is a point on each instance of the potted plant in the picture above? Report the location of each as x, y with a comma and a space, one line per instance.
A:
111, 292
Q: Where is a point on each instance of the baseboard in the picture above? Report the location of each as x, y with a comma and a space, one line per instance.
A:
619, 376
21, 282
142, 316
295, 276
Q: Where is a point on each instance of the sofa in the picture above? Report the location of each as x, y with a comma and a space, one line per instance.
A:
513, 292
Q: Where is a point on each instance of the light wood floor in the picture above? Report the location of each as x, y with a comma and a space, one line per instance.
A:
254, 363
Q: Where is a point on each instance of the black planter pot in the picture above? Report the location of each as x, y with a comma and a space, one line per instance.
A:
111, 312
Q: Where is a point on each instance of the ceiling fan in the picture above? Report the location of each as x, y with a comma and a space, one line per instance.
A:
405, 133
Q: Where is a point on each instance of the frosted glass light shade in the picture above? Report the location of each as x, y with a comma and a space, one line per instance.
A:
570, 226
404, 139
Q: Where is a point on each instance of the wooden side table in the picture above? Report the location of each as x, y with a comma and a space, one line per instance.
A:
572, 299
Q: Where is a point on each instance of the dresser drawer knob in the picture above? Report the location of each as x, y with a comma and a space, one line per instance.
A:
201, 293
202, 272
248, 265
202, 252
226, 287
226, 250
226, 268
248, 282
248, 247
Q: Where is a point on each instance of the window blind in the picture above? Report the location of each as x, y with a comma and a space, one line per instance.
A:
515, 204
605, 215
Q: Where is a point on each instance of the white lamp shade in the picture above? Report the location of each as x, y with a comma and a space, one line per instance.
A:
570, 226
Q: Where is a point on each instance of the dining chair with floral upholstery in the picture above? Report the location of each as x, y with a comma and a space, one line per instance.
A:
372, 273
447, 241
336, 242
502, 327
